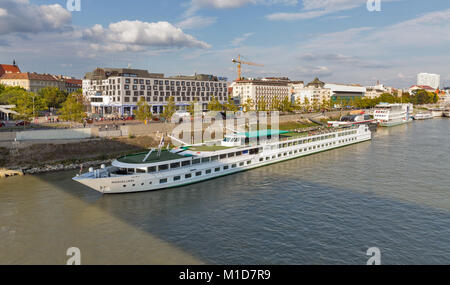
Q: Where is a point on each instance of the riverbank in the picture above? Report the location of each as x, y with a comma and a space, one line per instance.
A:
37, 157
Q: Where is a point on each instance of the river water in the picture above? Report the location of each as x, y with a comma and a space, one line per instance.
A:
392, 193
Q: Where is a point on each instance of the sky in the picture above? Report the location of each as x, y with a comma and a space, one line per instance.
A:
340, 41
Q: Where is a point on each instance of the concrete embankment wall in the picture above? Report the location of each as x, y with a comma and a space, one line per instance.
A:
57, 134
7, 136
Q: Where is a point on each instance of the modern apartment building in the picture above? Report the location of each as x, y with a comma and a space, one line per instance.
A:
262, 91
118, 90
428, 79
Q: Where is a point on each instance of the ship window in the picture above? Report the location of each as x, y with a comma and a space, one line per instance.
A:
208, 171
238, 153
267, 158
151, 169
226, 167
196, 161
163, 167
205, 159
213, 158
279, 155
176, 178
186, 163
241, 164
187, 176
231, 154
248, 162
124, 186
273, 156
140, 170
198, 173
261, 159
223, 156
217, 169
233, 166
175, 165
161, 181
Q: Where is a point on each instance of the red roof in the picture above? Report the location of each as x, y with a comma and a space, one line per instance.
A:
73, 81
7, 68
425, 87
29, 76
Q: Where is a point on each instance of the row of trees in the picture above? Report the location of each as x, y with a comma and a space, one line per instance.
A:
30, 104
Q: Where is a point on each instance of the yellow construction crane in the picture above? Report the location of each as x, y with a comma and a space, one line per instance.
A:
240, 63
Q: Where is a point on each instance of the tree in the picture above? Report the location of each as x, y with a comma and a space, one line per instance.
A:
28, 105
248, 105
9, 93
214, 105
191, 107
230, 106
170, 109
306, 105
72, 110
275, 104
2, 88
143, 112
286, 105
53, 96
298, 105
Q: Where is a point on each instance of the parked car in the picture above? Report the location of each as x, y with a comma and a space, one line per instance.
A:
2, 124
22, 123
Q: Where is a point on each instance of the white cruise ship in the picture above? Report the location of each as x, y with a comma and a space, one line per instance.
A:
237, 152
389, 115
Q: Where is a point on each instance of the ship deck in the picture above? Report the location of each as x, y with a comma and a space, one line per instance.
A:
139, 157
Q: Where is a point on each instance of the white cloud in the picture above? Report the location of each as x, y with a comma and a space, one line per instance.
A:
318, 8
196, 5
20, 16
239, 40
196, 22
138, 36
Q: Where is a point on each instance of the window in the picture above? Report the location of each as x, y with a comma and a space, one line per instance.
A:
162, 181
163, 167
208, 171
217, 169
223, 156
198, 173
185, 163
175, 165
241, 164
187, 176
233, 166
196, 161
176, 178
226, 167
249, 162
205, 159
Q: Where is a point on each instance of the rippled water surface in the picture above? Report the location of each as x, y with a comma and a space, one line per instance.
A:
329, 208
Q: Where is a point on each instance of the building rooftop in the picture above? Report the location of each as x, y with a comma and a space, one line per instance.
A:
7, 68
29, 76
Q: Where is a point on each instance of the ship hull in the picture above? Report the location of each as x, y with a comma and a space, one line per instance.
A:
150, 182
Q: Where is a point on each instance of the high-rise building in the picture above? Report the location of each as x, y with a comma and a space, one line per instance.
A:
118, 90
428, 79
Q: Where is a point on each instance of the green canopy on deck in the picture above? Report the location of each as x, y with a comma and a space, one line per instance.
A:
262, 133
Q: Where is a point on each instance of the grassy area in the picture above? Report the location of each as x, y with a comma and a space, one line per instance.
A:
287, 126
